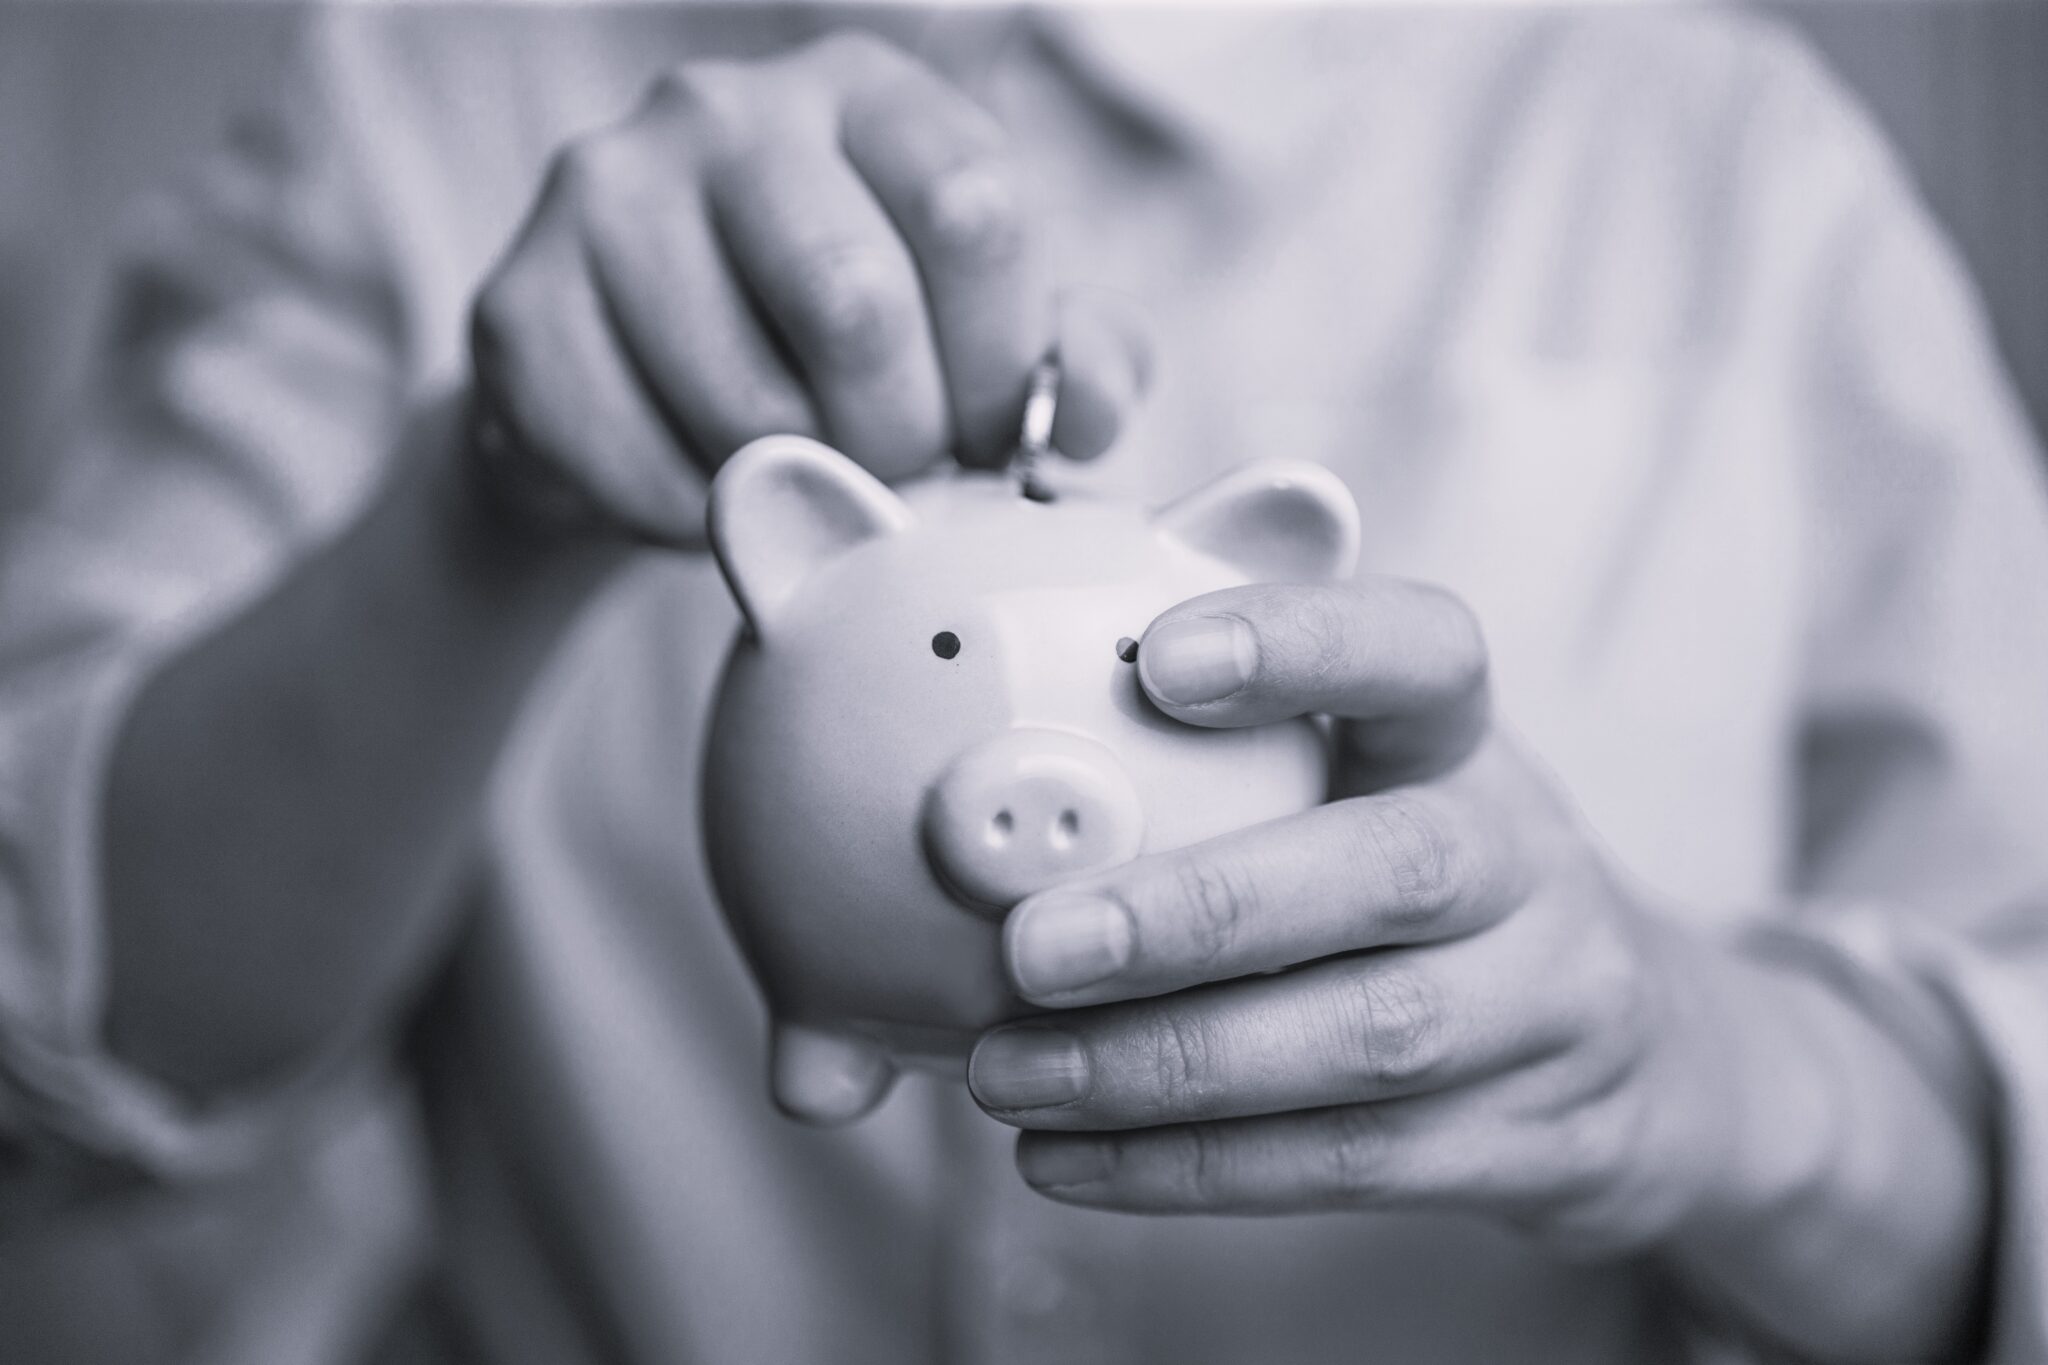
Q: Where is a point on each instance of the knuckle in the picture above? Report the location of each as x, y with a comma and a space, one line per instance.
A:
970, 216
1355, 1154
1320, 623
849, 313
1179, 1062
849, 51
1213, 902
1394, 1031
1197, 1167
592, 170
1417, 859
709, 94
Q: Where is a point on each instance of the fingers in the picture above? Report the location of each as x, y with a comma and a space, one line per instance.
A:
1359, 1028
831, 242
546, 360
1482, 1151
1418, 865
1438, 1151
938, 167
694, 338
1105, 348
1402, 663
841, 291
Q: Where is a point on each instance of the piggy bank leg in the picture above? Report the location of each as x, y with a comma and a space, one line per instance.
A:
822, 1077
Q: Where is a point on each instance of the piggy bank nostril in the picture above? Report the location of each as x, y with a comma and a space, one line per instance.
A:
1025, 810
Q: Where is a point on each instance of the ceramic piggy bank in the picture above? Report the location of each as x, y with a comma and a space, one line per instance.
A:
933, 712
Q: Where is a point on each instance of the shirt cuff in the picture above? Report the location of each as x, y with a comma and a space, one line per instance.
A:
1976, 1023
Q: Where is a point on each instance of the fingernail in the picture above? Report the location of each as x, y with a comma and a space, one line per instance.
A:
1059, 1161
1197, 659
1062, 942
1027, 1067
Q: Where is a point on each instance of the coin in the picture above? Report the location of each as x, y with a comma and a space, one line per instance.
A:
1041, 406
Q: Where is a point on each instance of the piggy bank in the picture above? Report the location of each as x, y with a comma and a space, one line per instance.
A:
933, 711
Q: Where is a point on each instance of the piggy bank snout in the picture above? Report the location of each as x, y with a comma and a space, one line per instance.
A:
1027, 809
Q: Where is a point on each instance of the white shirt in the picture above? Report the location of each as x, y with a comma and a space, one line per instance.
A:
1625, 327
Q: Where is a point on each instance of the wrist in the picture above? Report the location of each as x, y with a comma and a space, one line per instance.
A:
1728, 1127
1779, 1115
1844, 1212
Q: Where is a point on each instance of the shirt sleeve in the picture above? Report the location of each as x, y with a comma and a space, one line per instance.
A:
278, 328
1922, 857
252, 375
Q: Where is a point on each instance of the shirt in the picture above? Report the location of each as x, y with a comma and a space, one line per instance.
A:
1625, 327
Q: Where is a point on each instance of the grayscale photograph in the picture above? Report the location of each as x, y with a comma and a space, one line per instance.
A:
687, 682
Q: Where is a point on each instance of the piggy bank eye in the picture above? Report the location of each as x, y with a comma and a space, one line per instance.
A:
1127, 650
945, 644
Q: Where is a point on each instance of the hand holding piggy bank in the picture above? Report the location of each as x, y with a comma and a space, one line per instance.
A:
933, 712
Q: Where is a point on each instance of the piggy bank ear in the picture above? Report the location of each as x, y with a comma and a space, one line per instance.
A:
782, 508
1278, 521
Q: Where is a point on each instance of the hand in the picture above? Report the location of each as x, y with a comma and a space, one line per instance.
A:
832, 242
1433, 991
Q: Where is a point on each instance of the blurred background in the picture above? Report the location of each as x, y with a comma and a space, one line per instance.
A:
102, 100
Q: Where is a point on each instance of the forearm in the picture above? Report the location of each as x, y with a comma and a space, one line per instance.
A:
1853, 1222
288, 799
